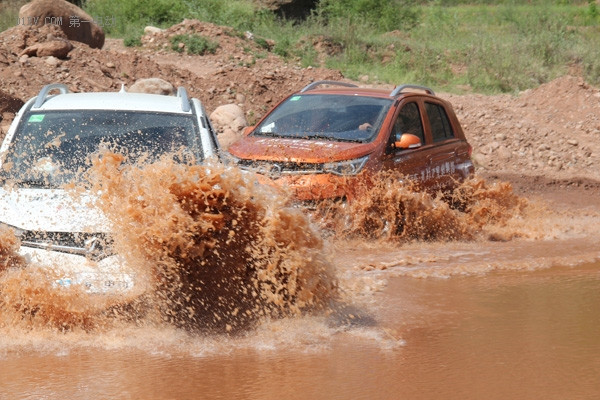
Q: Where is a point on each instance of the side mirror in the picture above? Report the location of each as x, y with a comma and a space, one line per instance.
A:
407, 141
247, 130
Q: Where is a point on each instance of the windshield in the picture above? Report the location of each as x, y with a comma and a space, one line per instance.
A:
326, 116
53, 148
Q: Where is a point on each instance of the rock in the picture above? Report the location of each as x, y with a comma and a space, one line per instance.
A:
9, 104
55, 48
480, 160
240, 98
153, 86
503, 154
229, 119
152, 30
543, 147
53, 61
73, 21
228, 137
229, 115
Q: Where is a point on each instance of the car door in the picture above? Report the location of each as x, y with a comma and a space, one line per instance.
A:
410, 162
444, 147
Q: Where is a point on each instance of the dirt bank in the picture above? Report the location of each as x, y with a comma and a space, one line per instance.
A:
551, 132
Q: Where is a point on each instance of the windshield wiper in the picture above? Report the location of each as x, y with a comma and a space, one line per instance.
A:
331, 138
307, 137
270, 134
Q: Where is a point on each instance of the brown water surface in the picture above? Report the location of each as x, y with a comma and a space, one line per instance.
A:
506, 335
498, 300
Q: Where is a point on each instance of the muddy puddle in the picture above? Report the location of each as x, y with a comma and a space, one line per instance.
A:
246, 296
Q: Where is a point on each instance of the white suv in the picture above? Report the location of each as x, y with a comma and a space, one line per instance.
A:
48, 145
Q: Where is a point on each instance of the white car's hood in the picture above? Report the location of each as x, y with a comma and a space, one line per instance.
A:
51, 210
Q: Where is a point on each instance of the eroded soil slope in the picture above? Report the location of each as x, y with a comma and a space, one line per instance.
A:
552, 131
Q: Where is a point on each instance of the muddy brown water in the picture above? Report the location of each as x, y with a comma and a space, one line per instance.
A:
505, 311
506, 335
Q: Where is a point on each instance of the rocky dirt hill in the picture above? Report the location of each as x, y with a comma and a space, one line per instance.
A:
550, 131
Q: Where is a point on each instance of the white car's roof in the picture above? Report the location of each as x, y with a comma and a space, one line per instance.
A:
113, 101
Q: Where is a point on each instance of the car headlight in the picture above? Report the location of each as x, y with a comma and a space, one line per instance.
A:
229, 159
349, 167
18, 232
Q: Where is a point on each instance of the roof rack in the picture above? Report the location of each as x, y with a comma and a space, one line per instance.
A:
400, 88
41, 97
185, 101
319, 83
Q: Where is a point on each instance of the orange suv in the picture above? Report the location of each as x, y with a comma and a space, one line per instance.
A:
319, 140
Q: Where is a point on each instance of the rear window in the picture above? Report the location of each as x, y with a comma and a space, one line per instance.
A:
441, 129
323, 116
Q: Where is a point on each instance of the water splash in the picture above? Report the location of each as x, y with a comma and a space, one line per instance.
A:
219, 252
222, 249
391, 208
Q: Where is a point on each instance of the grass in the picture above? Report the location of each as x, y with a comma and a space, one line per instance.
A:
500, 46
9, 13
193, 44
490, 49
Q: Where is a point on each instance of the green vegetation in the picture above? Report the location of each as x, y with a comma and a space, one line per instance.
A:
193, 44
479, 45
132, 40
9, 12
487, 46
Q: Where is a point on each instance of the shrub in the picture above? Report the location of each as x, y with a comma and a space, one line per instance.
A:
282, 47
194, 44
132, 41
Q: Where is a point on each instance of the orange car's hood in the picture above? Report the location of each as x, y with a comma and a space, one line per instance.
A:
297, 150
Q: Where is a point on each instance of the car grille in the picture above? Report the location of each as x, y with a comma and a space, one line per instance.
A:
95, 246
275, 168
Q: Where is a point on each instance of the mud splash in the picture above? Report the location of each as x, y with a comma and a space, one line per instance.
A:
9, 249
30, 300
391, 208
220, 251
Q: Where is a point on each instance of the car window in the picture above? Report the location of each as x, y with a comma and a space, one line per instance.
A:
54, 147
441, 129
409, 121
330, 117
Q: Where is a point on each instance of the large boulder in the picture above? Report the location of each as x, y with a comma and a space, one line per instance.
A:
73, 21
56, 48
153, 86
229, 120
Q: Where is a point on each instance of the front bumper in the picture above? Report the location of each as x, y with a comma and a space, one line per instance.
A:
110, 275
314, 187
